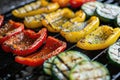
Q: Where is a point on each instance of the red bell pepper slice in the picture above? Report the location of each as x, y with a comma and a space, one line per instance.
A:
52, 47
25, 42
1, 20
9, 29
78, 3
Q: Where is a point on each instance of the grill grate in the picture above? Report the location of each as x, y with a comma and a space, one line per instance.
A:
10, 70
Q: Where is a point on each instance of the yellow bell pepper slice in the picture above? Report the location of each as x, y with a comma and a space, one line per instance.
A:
101, 38
34, 21
38, 7
54, 21
73, 31
80, 16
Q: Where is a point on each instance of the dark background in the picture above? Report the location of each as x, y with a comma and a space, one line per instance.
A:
7, 5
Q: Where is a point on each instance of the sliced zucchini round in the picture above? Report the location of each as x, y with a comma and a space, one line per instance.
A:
65, 62
108, 12
47, 66
89, 71
114, 53
117, 21
89, 7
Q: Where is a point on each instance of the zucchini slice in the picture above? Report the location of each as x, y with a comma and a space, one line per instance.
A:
114, 53
117, 21
89, 71
65, 62
89, 7
47, 66
108, 12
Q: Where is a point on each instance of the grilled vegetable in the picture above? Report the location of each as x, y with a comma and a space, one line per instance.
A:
25, 10
74, 30
35, 8
34, 21
89, 7
78, 3
52, 47
9, 29
117, 21
79, 16
62, 3
54, 21
108, 12
47, 66
114, 53
101, 38
25, 42
1, 20
89, 71
65, 61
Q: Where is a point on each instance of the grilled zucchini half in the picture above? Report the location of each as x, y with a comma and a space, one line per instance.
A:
65, 61
47, 66
89, 71
117, 20
114, 53
107, 13
89, 7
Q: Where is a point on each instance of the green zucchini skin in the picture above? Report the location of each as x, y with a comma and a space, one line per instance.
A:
89, 8
117, 21
47, 66
114, 54
64, 62
107, 13
89, 71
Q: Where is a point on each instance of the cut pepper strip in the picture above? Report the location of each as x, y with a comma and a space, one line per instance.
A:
73, 31
101, 38
9, 29
79, 16
25, 42
1, 20
52, 47
45, 9
54, 21
29, 9
36, 20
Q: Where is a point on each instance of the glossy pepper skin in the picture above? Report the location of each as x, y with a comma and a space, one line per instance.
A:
78, 3
73, 31
1, 20
101, 38
62, 3
25, 42
80, 16
9, 29
54, 21
52, 47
